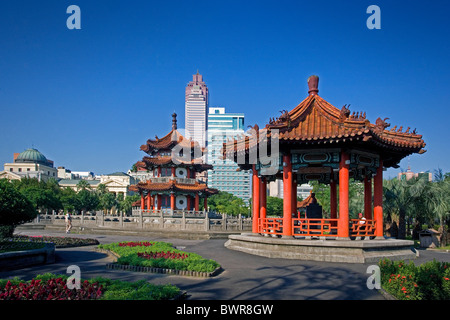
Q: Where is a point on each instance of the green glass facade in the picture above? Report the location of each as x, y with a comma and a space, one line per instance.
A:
224, 176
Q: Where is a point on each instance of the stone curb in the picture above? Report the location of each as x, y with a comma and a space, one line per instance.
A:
115, 266
25, 258
386, 294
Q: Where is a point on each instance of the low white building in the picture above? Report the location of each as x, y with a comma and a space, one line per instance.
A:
30, 163
118, 182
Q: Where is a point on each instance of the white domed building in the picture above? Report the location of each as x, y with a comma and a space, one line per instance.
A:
30, 163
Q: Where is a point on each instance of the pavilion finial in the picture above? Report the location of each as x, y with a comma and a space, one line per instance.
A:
174, 121
313, 84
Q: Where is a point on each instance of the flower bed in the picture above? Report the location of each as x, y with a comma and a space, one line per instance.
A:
165, 255
429, 281
54, 287
162, 255
10, 245
51, 289
60, 242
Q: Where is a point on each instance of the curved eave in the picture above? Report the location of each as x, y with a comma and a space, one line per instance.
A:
172, 186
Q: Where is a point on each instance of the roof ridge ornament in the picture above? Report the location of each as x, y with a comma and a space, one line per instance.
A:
313, 84
174, 121
345, 113
381, 124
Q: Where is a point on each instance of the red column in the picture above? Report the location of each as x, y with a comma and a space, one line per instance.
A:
196, 204
333, 199
294, 197
188, 197
159, 198
255, 200
263, 198
188, 172
287, 195
153, 203
343, 224
173, 171
172, 201
142, 202
149, 202
205, 203
159, 171
368, 198
378, 201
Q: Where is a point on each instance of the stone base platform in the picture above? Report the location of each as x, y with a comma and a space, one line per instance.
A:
332, 250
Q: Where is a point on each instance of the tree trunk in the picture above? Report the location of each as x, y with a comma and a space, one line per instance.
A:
401, 224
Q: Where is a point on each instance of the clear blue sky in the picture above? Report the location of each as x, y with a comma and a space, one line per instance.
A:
89, 98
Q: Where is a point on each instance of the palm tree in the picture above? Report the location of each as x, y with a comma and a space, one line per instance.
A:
83, 185
404, 197
438, 201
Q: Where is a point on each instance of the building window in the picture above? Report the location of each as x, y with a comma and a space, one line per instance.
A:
20, 169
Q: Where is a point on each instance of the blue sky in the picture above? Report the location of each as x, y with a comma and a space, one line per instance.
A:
89, 98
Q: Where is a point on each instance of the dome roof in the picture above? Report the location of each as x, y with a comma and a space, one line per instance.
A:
31, 155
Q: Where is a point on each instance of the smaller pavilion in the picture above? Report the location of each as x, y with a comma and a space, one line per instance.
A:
175, 162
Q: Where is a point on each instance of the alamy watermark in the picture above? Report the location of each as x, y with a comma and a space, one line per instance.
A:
74, 20
374, 280
374, 21
74, 281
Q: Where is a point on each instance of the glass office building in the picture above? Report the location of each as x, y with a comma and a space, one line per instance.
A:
225, 176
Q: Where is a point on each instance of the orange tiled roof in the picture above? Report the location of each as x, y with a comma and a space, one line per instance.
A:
306, 202
172, 185
174, 137
315, 121
166, 144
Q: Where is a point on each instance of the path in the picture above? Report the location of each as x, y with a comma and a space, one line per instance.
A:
245, 277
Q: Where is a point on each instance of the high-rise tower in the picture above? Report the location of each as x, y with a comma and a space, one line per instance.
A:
196, 106
224, 176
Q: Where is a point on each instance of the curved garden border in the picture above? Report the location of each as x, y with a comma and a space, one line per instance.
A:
25, 258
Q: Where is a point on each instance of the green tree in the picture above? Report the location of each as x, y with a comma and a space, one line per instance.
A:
107, 201
43, 195
15, 209
225, 202
438, 201
403, 198
68, 198
126, 205
83, 185
274, 206
355, 194
86, 200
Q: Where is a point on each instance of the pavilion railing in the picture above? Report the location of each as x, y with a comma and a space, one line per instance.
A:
315, 227
271, 226
362, 228
303, 227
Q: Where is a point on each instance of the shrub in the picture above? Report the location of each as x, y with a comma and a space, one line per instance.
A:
15, 209
428, 281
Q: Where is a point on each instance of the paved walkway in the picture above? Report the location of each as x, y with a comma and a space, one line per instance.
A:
245, 277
